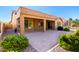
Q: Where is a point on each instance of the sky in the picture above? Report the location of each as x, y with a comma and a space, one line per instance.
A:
65, 12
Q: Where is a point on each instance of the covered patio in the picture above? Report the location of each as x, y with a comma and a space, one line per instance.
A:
35, 25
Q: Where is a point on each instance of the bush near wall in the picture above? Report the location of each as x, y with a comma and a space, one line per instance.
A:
66, 29
14, 43
70, 41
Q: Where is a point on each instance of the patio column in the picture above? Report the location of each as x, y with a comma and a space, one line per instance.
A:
22, 25
44, 25
56, 25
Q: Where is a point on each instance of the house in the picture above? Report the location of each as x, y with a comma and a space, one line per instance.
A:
28, 20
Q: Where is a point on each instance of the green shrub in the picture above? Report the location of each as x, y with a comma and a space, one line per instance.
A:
76, 33
66, 29
15, 43
69, 42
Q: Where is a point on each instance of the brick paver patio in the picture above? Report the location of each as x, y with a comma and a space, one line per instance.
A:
43, 41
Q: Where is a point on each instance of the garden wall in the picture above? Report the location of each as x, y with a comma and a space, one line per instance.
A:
7, 27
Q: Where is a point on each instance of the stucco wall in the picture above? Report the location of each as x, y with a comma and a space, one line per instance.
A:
59, 22
14, 20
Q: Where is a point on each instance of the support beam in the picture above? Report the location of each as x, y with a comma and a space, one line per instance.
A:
44, 25
56, 25
22, 25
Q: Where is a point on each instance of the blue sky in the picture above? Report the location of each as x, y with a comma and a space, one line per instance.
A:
61, 11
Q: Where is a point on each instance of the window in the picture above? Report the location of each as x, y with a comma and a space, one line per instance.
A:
40, 24
26, 23
30, 24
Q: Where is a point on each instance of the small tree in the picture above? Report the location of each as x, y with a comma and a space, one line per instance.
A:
70, 19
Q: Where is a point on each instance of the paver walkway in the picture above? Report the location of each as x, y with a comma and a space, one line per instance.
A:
43, 41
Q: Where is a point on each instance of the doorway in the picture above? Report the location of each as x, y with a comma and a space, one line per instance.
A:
50, 25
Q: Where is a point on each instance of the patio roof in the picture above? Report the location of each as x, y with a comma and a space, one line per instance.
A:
28, 11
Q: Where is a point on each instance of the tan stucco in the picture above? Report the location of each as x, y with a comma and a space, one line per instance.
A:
60, 22
13, 21
35, 16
